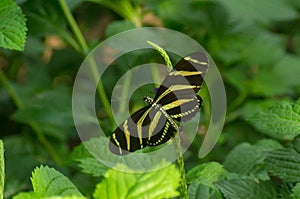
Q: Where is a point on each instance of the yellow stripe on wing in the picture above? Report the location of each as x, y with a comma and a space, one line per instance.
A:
176, 88
195, 61
127, 135
154, 123
185, 73
140, 126
177, 103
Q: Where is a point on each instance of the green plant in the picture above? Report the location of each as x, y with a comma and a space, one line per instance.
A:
255, 45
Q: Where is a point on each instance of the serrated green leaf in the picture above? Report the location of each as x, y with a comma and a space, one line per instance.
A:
247, 188
200, 191
2, 174
157, 184
210, 172
21, 150
285, 164
248, 160
252, 107
12, 26
49, 182
79, 152
296, 191
243, 10
281, 122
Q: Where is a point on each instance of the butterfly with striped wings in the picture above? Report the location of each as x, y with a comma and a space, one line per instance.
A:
176, 100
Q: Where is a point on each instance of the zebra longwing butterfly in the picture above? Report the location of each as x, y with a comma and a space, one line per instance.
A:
176, 100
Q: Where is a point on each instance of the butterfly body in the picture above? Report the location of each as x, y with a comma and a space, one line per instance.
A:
176, 100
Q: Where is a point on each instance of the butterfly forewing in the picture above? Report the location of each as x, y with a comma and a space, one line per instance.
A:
178, 92
176, 100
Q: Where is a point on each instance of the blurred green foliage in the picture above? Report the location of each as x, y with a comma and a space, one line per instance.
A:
256, 45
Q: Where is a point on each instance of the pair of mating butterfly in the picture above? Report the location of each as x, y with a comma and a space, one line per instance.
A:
176, 100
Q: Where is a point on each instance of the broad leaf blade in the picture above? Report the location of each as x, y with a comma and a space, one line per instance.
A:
296, 191
281, 122
210, 172
92, 166
200, 191
12, 26
49, 182
157, 184
248, 160
247, 188
285, 164
87, 162
26, 195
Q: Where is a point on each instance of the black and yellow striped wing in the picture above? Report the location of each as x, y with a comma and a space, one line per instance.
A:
175, 100
178, 92
145, 127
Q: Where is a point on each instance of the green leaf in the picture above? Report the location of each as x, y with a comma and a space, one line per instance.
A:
12, 26
21, 150
296, 191
200, 191
49, 182
125, 8
157, 184
66, 197
288, 69
281, 121
296, 144
254, 106
51, 110
98, 147
45, 17
210, 172
247, 188
117, 27
28, 195
285, 164
248, 160
32, 195
243, 10
92, 166
88, 163
2, 174
202, 180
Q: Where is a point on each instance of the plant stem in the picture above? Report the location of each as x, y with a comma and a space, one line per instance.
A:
10, 90
180, 164
2, 173
41, 137
85, 50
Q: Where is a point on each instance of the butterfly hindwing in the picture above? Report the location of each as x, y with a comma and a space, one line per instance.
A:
146, 127
126, 137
